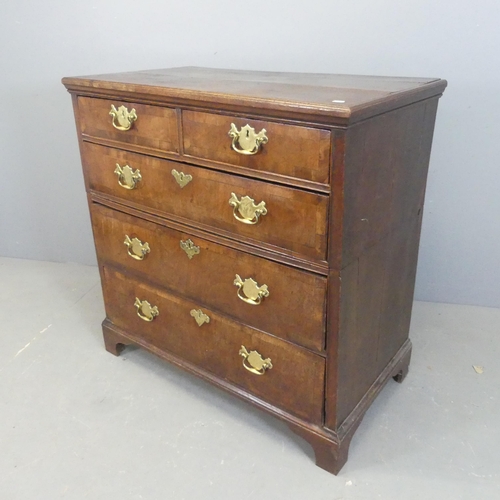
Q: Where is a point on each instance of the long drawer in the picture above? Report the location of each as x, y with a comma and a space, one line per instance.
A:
280, 373
293, 309
152, 127
289, 218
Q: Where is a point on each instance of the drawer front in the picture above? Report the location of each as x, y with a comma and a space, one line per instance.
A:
295, 382
206, 271
295, 220
290, 150
155, 127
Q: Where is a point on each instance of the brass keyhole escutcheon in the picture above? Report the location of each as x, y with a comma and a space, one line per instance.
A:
190, 248
181, 178
199, 316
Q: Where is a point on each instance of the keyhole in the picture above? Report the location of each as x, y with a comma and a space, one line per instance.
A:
248, 133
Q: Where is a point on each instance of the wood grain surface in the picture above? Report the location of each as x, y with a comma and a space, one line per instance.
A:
296, 220
296, 381
291, 150
294, 310
343, 177
325, 98
381, 196
155, 127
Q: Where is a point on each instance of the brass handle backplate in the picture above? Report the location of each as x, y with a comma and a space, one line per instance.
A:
190, 248
145, 310
127, 177
248, 211
136, 248
199, 316
254, 362
246, 141
182, 178
249, 291
123, 119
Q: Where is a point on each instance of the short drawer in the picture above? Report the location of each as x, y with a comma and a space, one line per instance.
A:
206, 272
283, 217
280, 373
290, 150
152, 127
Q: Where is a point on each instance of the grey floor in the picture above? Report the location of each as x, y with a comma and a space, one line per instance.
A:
79, 423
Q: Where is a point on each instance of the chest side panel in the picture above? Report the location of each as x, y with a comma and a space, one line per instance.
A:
385, 175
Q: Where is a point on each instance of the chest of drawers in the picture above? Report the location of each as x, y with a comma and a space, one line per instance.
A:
261, 230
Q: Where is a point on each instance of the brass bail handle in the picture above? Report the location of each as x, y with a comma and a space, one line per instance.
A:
246, 210
254, 362
128, 178
136, 248
249, 291
145, 310
123, 119
246, 141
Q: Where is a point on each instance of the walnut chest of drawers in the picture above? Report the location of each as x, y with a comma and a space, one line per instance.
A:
261, 230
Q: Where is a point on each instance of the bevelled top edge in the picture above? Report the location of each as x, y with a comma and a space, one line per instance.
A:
347, 98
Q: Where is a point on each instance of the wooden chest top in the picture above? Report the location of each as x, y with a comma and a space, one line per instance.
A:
329, 98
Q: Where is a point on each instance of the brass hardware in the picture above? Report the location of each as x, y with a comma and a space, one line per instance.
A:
199, 316
247, 139
182, 178
254, 362
127, 177
145, 310
247, 208
253, 292
136, 248
123, 119
190, 248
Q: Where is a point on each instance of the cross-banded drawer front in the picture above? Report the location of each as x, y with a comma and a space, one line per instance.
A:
293, 219
290, 150
280, 373
133, 124
269, 296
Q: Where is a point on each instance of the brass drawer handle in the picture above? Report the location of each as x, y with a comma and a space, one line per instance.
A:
249, 291
199, 316
145, 310
136, 248
127, 177
247, 139
253, 361
246, 207
182, 178
190, 248
123, 119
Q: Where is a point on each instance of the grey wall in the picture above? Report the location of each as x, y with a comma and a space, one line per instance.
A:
42, 202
